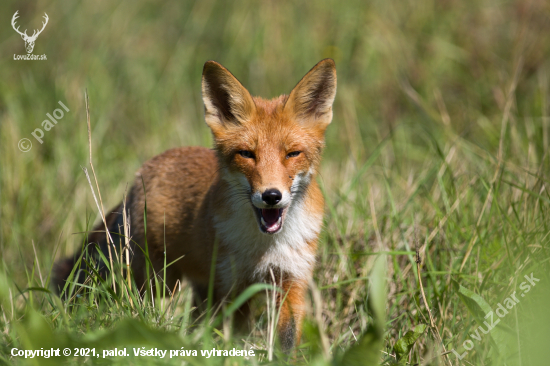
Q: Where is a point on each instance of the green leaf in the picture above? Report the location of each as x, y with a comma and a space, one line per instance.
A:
404, 345
378, 290
485, 317
477, 306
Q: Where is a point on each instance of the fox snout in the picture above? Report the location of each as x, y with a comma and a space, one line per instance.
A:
270, 207
272, 196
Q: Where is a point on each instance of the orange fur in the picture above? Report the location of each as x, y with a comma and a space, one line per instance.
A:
197, 196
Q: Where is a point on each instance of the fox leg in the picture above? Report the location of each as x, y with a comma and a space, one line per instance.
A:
291, 303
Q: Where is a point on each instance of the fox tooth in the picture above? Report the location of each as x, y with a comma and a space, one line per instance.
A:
263, 222
279, 220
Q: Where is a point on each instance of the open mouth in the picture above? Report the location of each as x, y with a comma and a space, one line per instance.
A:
271, 219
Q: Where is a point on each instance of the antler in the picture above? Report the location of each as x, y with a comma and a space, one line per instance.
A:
34, 35
15, 16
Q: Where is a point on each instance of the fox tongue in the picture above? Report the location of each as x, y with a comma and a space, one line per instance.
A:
270, 216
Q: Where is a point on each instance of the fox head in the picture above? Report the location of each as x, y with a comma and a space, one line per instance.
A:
269, 150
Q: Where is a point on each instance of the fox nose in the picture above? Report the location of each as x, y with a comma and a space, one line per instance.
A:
272, 196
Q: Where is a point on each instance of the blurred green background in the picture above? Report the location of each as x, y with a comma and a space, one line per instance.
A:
439, 139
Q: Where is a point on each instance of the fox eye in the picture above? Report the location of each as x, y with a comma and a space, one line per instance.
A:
246, 154
293, 154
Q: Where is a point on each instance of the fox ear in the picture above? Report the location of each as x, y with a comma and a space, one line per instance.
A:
226, 101
311, 100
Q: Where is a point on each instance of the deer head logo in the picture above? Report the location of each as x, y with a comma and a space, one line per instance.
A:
29, 41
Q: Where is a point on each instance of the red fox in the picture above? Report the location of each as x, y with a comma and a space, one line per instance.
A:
254, 194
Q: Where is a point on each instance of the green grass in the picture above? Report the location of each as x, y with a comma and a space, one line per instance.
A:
439, 143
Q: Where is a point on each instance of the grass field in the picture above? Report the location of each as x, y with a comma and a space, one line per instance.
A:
439, 143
